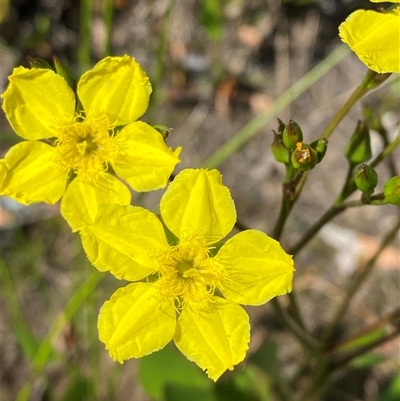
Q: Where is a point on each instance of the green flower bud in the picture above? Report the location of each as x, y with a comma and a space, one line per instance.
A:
391, 190
358, 150
62, 70
366, 178
279, 150
304, 157
292, 134
35, 62
320, 145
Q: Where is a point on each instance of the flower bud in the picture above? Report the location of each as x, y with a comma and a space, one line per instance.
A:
62, 70
358, 149
291, 135
304, 157
279, 150
320, 145
391, 190
366, 178
35, 62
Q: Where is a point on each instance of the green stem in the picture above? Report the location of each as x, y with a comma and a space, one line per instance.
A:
161, 57
286, 207
108, 12
292, 187
355, 285
85, 38
358, 93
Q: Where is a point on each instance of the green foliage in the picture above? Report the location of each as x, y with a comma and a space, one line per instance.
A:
393, 392
211, 18
168, 368
80, 389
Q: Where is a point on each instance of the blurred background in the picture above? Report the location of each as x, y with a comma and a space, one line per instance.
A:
220, 70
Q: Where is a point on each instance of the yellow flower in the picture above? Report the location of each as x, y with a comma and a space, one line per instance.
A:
97, 135
193, 287
374, 37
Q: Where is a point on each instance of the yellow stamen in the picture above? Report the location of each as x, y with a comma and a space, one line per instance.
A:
86, 146
188, 274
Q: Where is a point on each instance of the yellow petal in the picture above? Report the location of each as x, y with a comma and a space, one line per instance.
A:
388, 1
118, 86
82, 199
124, 240
375, 38
136, 322
37, 102
30, 174
257, 268
143, 159
216, 339
197, 202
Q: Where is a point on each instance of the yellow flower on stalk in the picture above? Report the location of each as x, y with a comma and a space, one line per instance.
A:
91, 137
374, 37
185, 286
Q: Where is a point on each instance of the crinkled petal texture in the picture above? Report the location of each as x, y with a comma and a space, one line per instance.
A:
216, 339
375, 38
118, 86
142, 157
82, 199
136, 322
30, 174
124, 240
257, 266
37, 102
197, 202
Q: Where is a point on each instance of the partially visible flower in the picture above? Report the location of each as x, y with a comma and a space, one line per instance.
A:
374, 37
193, 289
88, 137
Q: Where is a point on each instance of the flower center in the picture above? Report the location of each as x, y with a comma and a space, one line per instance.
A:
187, 273
183, 266
86, 146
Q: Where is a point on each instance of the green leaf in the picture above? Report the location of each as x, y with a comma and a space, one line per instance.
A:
266, 358
393, 392
211, 18
368, 360
80, 389
363, 340
177, 392
168, 368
